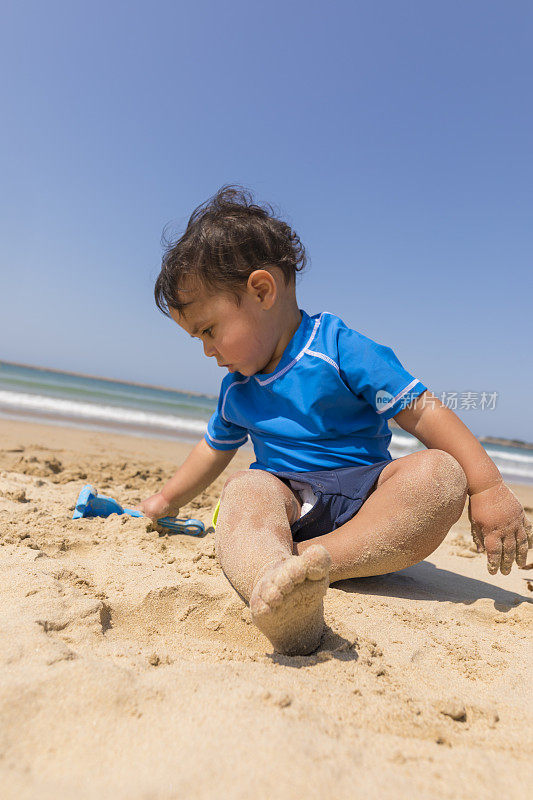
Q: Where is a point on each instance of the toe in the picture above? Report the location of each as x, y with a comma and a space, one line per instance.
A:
293, 572
318, 562
289, 575
258, 606
271, 594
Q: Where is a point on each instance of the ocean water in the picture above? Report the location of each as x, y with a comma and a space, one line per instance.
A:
41, 395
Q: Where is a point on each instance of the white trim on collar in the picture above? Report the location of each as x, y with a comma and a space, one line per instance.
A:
235, 383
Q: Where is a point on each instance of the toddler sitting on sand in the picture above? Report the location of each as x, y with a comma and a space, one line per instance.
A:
323, 500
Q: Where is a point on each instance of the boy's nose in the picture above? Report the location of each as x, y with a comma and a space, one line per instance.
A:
209, 350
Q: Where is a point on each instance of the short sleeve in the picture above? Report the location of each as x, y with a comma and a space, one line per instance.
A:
222, 434
373, 371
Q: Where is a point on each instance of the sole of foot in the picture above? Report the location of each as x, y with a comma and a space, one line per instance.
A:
287, 603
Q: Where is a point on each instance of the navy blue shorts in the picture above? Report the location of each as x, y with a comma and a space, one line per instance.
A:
340, 494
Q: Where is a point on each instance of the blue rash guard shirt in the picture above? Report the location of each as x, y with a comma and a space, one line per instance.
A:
325, 406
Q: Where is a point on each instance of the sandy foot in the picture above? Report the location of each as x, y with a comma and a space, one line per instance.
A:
287, 602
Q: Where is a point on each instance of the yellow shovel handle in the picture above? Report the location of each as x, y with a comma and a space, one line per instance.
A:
215, 514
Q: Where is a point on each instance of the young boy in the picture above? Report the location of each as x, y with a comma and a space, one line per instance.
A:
324, 500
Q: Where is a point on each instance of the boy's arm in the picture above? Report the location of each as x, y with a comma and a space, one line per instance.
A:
200, 468
436, 426
498, 521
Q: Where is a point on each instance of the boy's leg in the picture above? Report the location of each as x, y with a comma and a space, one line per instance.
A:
416, 501
255, 549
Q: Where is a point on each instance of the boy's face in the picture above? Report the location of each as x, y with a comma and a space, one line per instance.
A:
242, 337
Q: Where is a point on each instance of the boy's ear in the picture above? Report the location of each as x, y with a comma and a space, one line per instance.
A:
262, 284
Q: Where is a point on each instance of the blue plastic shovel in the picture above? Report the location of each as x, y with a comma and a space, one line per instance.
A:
92, 504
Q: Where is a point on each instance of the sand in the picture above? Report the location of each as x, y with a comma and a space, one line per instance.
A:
130, 668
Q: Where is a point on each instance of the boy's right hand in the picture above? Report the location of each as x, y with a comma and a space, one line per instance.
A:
156, 507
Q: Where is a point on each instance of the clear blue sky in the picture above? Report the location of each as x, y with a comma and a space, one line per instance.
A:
394, 136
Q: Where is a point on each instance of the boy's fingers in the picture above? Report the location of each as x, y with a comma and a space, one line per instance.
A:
477, 537
477, 540
493, 546
508, 553
528, 529
521, 547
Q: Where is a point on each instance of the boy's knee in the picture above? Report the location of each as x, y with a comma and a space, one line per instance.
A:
446, 467
260, 486
236, 476
439, 475
444, 478
246, 479
251, 483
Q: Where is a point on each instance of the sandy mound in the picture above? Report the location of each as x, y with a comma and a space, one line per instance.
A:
130, 669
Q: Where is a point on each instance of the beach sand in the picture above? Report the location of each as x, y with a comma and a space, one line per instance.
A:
130, 668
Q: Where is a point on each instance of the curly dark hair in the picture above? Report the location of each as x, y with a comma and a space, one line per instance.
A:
226, 239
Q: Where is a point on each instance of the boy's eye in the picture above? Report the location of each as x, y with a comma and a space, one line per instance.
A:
209, 331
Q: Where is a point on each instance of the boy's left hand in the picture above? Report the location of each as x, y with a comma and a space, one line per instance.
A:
500, 528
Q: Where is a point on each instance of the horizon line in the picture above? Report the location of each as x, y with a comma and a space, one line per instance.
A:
110, 380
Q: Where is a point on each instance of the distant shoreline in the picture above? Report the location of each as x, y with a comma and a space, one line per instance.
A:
109, 380
507, 442
488, 439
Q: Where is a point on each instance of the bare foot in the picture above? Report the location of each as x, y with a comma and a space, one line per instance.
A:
287, 602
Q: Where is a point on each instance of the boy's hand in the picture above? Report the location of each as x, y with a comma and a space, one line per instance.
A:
156, 507
500, 528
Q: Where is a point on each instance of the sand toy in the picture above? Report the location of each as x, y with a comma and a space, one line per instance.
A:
92, 504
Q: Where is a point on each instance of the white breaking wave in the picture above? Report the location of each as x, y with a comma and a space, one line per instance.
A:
92, 412
511, 465
502, 456
403, 443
